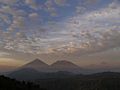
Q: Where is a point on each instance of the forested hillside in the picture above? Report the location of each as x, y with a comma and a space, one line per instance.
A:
12, 84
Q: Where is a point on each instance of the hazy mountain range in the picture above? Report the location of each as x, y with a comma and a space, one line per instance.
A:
64, 75
62, 65
37, 69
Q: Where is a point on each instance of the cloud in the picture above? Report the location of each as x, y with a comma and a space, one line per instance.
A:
112, 11
2, 54
85, 33
49, 7
17, 17
5, 18
80, 9
32, 3
91, 1
18, 22
8, 1
61, 2
34, 17
96, 31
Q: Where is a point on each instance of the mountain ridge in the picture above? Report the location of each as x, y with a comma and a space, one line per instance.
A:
61, 65
36, 64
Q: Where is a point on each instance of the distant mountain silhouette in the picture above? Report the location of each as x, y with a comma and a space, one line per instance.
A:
29, 74
37, 69
64, 65
37, 64
24, 74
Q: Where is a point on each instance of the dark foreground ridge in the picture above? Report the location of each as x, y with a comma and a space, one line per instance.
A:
12, 84
99, 81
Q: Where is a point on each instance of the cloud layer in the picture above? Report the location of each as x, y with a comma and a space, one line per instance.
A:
30, 26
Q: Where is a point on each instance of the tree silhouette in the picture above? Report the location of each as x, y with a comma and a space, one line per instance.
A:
12, 84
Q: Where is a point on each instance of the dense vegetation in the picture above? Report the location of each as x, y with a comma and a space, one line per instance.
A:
100, 81
12, 84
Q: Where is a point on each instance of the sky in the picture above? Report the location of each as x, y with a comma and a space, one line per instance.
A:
86, 32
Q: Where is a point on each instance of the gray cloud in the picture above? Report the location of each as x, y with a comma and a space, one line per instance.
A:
61, 2
81, 34
9, 2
